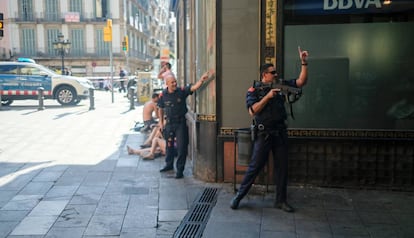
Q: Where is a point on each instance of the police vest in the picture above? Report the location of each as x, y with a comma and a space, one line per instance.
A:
174, 104
273, 115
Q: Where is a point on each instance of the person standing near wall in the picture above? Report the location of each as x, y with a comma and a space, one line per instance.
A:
266, 106
172, 109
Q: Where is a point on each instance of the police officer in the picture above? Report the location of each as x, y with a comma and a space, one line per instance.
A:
173, 107
266, 105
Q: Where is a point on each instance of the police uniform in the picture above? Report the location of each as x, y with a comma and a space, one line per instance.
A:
271, 135
175, 107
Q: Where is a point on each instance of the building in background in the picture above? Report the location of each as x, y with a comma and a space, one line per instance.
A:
31, 28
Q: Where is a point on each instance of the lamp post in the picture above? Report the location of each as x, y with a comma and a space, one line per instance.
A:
62, 46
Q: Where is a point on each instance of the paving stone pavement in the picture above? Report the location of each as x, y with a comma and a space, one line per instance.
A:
65, 172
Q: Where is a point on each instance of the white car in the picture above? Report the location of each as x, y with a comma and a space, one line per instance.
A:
21, 81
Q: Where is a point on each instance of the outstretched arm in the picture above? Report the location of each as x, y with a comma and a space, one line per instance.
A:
163, 69
200, 82
303, 76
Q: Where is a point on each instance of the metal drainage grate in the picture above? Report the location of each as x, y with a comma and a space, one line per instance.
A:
196, 218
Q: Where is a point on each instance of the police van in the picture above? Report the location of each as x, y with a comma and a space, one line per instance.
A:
22, 80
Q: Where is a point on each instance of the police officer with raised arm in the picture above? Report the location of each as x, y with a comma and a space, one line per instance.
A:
172, 121
266, 106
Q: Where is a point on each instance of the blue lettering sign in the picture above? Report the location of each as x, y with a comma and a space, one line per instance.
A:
332, 7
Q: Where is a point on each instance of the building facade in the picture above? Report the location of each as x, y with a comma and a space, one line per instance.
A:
33, 26
354, 124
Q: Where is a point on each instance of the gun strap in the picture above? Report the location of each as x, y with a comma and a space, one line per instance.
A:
291, 111
290, 106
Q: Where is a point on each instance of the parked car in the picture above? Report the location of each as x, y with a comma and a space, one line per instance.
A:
21, 81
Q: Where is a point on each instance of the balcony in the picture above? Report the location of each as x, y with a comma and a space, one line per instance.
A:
24, 17
54, 17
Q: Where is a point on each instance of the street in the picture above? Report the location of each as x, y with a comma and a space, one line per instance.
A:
65, 172
65, 135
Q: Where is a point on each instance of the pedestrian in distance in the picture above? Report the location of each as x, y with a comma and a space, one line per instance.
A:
164, 72
266, 106
172, 109
122, 75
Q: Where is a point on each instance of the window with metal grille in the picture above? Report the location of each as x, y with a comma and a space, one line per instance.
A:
26, 10
75, 6
52, 12
78, 42
28, 42
101, 8
51, 36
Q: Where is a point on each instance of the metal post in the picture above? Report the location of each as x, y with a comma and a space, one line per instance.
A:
112, 72
62, 53
1, 104
91, 99
40, 91
1, 89
60, 45
131, 98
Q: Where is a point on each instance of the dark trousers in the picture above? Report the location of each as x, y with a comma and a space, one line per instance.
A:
122, 87
179, 130
264, 143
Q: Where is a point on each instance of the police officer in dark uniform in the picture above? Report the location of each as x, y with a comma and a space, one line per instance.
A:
173, 107
266, 105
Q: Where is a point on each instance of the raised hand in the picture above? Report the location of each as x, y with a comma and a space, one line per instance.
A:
303, 54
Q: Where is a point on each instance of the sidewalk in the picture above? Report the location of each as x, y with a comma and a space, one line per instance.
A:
83, 184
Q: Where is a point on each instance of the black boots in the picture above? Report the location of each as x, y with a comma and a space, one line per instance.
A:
166, 168
234, 204
284, 206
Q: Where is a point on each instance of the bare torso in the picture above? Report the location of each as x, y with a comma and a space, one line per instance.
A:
149, 109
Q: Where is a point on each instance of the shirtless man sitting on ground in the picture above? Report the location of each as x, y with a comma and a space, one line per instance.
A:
150, 112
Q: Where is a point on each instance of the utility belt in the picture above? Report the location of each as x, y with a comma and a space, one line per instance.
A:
175, 120
262, 130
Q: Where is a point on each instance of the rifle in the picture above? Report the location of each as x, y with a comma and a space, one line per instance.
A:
291, 94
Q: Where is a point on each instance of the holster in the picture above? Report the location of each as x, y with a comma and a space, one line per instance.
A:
253, 132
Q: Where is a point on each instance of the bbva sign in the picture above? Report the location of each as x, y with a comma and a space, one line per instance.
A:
347, 4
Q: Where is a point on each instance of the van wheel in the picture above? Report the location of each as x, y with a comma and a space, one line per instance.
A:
6, 102
66, 96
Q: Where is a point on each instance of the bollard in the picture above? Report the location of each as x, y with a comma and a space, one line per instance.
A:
1, 104
91, 99
40, 92
131, 98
